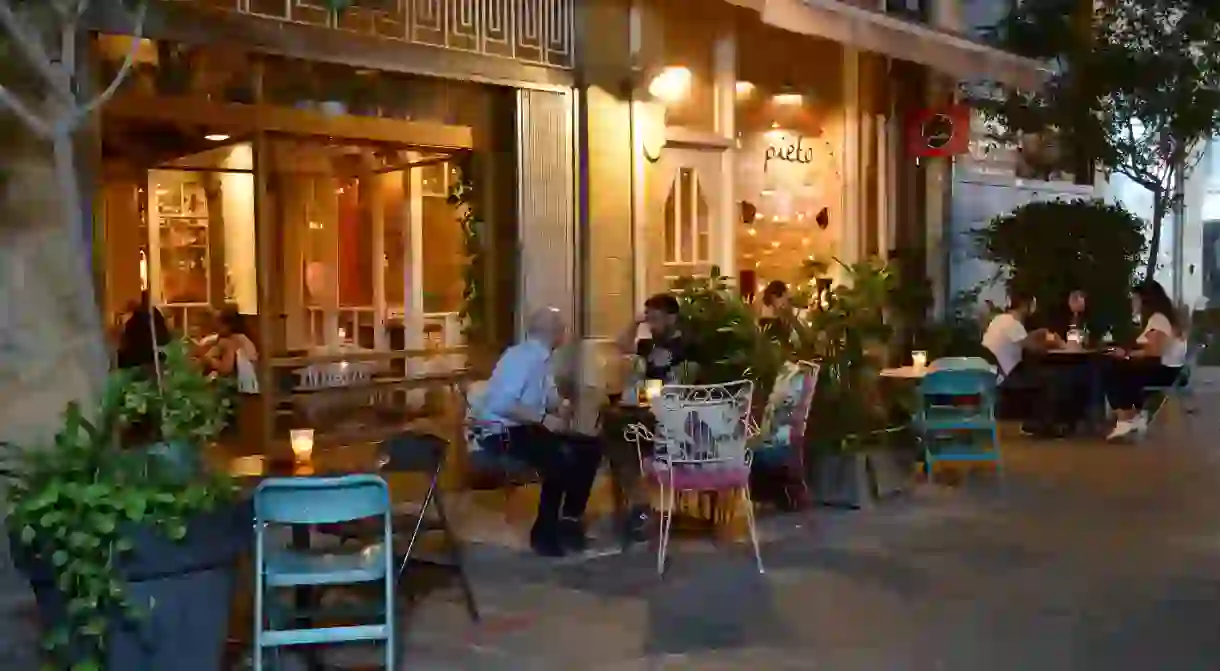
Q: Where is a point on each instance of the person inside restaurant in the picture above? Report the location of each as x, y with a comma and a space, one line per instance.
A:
231, 353
1155, 360
522, 397
1009, 342
144, 325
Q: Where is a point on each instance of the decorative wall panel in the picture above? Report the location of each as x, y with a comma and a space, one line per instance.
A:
533, 31
546, 211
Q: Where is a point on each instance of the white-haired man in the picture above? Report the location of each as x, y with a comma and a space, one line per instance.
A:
521, 396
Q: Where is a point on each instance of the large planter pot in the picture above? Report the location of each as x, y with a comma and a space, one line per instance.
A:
889, 471
184, 588
840, 479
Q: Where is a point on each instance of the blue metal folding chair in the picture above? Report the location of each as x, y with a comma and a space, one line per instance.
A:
1182, 386
300, 501
956, 419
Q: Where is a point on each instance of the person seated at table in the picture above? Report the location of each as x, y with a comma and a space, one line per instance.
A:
232, 354
521, 397
776, 316
1008, 341
1070, 315
1155, 361
144, 332
667, 353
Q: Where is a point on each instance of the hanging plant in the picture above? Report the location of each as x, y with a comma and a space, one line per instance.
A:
463, 196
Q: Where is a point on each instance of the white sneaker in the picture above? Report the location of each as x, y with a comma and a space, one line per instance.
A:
1123, 429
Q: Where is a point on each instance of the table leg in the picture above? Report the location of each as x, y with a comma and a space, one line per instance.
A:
305, 598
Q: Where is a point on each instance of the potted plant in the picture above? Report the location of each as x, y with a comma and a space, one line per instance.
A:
848, 334
128, 542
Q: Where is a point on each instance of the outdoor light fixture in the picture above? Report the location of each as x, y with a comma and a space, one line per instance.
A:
671, 85
744, 89
788, 99
216, 137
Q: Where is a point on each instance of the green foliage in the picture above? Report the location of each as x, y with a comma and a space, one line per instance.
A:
464, 195
72, 501
1136, 87
724, 332
1052, 248
848, 336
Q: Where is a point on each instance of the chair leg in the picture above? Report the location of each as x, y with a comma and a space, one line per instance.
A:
457, 555
749, 503
667, 520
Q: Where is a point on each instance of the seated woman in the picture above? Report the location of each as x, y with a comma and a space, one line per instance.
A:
1156, 360
776, 316
233, 354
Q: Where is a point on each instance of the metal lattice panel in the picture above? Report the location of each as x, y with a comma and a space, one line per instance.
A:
533, 31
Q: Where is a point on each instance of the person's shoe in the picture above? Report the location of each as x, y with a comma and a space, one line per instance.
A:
1123, 430
546, 544
635, 527
572, 536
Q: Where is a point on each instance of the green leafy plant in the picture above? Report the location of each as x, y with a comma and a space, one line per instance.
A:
1052, 248
464, 196
724, 332
847, 335
73, 502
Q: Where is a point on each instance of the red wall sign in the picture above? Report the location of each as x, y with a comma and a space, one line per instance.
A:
939, 131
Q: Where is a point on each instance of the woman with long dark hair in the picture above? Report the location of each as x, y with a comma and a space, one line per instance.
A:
1156, 360
776, 314
234, 354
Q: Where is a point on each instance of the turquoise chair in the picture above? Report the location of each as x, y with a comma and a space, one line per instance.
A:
956, 419
311, 501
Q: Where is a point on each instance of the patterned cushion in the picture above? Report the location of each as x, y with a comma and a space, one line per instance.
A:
702, 478
787, 405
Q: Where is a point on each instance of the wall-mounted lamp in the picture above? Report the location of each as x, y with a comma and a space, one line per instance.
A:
671, 84
788, 99
744, 89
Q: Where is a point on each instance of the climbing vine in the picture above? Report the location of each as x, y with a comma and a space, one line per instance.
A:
464, 197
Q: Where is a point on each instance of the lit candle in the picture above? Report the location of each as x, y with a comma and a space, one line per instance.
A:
302, 444
919, 359
652, 389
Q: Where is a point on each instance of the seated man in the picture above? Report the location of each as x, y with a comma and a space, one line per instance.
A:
666, 351
1008, 341
519, 396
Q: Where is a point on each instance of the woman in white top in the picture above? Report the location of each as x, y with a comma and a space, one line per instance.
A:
234, 354
1156, 359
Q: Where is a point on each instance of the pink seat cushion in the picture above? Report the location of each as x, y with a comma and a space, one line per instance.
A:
705, 478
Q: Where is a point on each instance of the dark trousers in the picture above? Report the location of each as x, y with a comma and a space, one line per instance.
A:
1058, 395
566, 464
1125, 380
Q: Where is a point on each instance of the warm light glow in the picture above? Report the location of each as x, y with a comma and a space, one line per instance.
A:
302, 444
671, 85
775, 244
744, 89
652, 389
752, 231
805, 241
919, 359
767, 192
216, 137
757, 216
788, 99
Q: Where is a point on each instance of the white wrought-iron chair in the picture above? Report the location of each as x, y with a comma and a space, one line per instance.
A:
700, 446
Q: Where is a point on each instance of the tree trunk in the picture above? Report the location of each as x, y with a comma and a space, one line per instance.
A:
1154, 245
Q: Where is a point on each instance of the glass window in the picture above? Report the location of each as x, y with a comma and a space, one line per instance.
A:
687, 220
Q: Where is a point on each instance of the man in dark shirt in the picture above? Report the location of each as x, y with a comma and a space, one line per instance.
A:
666, 348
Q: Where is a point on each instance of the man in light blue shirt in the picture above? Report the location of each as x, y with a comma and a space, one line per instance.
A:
521, 397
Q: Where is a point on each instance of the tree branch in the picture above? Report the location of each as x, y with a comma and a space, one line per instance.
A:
34, 52
136, 34
31, 120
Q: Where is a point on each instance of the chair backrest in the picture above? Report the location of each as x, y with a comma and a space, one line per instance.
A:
320, 500
787, 410
961, 363
958, 383
703, 423
413, 452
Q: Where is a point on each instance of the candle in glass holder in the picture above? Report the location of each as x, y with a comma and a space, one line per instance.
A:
919, 359
652, 389
302, 445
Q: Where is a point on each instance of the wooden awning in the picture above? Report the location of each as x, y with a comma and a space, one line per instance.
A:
947, 52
